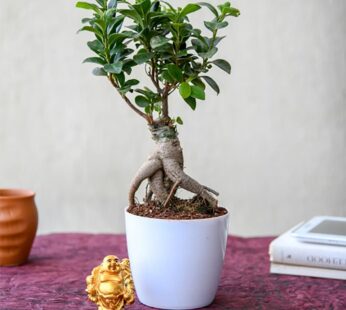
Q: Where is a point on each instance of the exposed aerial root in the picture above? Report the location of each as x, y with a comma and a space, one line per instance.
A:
148, 193
171, 193
177, 175
145, 171
157, 185
211, 190
164, 169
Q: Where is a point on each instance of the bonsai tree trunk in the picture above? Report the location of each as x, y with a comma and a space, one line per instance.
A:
165, 170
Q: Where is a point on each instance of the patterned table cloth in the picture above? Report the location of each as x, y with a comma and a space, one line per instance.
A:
54, 278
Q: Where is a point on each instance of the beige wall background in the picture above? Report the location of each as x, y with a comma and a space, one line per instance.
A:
273, 142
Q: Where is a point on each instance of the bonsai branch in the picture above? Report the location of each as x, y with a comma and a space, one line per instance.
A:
165, 94
128, 101
174, 87
154, 77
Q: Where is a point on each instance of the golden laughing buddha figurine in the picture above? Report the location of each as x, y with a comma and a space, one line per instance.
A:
110, 284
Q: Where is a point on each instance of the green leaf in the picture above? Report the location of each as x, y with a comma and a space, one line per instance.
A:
221, 25
142, 7
86, 28
214, 25
109, 14
210, 25
224, 6
197, 92
149, 94
209, 54
185, 90
166, 76
181, 54
133, 14
96, 46
90, 29
155, 6
157, 108
158, 41
121, 78
99, 72
179, 121
117, 49
142, 57
124, 53
175, 72
142, 101
95, 60
146, 5
223, 64
169, 5
128, 64
191, 102
211, 83
88, 6
124, 90
148, 109
231, 12
132, 82
86, 20
101, 2
100, 24
115, 23
218, 40
210, 7
114, 68
200, 45
116, 37
112, 4
198, 82
190, 8
226, 9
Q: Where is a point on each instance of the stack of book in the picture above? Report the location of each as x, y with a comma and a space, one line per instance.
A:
293, 257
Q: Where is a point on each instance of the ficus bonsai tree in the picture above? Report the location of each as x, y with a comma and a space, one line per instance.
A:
175, 55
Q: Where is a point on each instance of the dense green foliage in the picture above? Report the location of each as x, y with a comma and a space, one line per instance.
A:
155, 34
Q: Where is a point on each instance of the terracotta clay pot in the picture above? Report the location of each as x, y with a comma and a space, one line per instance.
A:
18, 225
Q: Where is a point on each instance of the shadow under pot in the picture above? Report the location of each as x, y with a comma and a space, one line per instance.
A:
18, 225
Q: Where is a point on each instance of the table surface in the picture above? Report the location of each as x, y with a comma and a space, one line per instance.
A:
54, 277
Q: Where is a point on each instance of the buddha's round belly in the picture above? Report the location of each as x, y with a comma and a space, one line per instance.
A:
110, 287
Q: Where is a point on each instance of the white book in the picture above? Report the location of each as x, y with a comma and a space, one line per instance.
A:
307, 271
288, 250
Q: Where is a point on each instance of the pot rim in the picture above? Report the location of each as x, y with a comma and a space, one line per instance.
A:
14, 193
177, 220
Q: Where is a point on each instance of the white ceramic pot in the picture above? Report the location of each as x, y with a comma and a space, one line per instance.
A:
176, 264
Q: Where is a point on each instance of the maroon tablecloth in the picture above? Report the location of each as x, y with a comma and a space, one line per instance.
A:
54, 278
